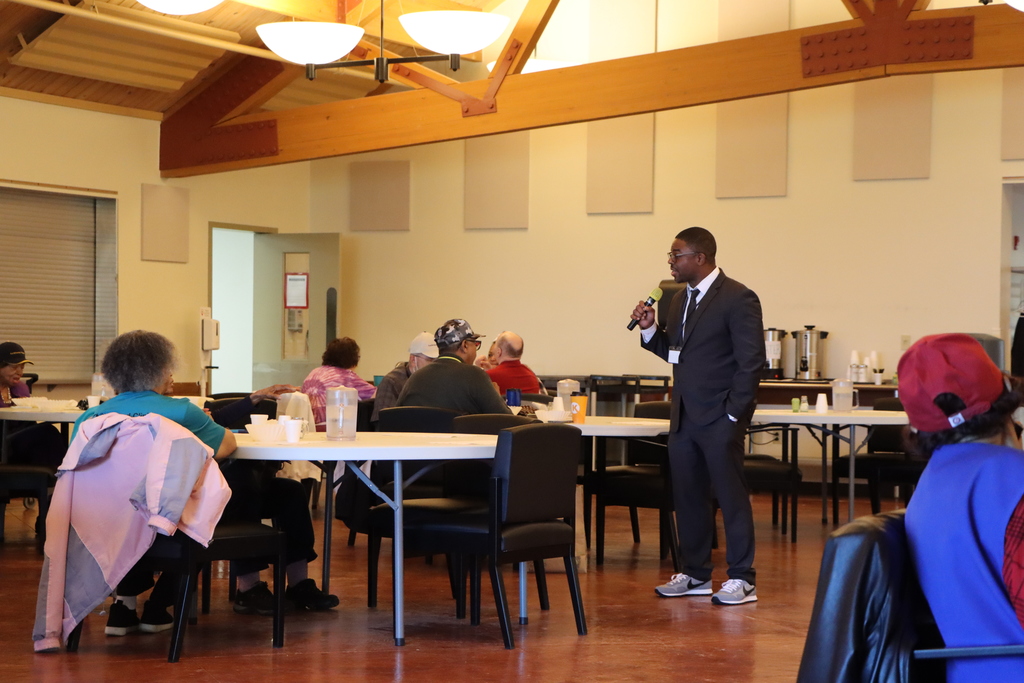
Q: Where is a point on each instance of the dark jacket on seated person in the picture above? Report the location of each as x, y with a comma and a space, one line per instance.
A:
450, 383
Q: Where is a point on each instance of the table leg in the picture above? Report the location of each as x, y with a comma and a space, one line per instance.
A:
325, 581
853, 457
3, 441
523, 616
398, 561
824, 478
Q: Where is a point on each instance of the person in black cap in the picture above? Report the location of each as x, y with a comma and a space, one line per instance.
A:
452, 381
28, 443
12, 367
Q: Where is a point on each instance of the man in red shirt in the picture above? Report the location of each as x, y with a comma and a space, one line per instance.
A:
508, 372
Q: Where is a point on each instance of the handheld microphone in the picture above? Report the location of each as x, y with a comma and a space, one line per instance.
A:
652, 298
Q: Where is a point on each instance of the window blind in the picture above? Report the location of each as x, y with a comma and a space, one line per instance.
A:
58, 280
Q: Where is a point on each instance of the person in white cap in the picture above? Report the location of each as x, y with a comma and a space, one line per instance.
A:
422, 351
452, 381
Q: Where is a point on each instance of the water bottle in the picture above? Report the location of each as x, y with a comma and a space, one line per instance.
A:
565, 389
342, 410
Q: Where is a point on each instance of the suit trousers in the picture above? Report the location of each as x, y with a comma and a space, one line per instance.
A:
705, 459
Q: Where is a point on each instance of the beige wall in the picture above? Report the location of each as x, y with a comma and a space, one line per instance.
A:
47, 144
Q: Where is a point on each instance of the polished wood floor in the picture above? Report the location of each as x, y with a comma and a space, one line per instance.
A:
634, 635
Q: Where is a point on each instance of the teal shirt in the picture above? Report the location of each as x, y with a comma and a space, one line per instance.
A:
180, 410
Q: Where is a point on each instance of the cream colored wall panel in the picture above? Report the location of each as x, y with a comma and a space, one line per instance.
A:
751, 156
622, 29
744, 18
620, 165
496, 188
164, 223
752, 136
892, 130
1013, 114
379, 195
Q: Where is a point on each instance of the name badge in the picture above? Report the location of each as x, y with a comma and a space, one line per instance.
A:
673, 355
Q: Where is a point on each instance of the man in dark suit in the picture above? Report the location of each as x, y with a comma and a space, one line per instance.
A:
714, 338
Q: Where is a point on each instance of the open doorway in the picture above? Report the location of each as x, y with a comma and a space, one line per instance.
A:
264, 337
231, 298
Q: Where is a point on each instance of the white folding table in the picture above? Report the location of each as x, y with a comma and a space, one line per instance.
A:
832, 423
380, 446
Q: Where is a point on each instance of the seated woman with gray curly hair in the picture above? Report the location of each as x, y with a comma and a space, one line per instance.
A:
139, 366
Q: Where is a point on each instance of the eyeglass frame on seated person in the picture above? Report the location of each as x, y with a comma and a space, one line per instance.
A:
474, 341
673, 256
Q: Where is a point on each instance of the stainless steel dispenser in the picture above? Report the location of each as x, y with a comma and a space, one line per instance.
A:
810, 352
773, 354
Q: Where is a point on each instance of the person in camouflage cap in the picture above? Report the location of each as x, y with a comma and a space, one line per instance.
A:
452, 381
453, 333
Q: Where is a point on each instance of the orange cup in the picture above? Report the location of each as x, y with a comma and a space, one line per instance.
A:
579, 409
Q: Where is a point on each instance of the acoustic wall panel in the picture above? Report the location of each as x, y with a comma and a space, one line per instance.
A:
497, 182
752, 136
164, 223
1013, 114
892, 128
620, 152
379, 194
620, 165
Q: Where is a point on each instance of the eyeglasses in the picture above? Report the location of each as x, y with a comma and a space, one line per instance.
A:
475, 341
675, 256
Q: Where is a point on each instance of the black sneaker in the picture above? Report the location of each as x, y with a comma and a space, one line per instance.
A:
305, 595
256, 600
155, 618
120, 620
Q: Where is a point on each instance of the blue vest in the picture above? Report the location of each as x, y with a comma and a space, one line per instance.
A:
956, 526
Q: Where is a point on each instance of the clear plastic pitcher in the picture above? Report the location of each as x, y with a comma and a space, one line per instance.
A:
342, 410
566, 388
844, 396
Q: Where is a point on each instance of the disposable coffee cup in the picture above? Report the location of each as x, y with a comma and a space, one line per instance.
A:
258, 419
293, 431
93, 401
579, 409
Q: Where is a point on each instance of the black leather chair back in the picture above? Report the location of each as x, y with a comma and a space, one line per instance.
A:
416, 419
265, 406
537, 464
488, 423
862, 619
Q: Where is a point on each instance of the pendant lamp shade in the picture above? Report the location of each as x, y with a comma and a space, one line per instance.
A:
180, 7
449, 32
310, 42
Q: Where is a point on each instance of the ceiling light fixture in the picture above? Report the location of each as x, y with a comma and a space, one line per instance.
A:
310, 42
180, 7
453, 33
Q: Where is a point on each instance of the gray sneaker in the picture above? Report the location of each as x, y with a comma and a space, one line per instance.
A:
735, 592
681, 584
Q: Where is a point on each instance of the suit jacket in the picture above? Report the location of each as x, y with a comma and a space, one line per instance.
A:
722, 355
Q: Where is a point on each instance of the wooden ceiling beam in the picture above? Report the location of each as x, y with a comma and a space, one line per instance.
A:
309, 10
737, 69
528, 29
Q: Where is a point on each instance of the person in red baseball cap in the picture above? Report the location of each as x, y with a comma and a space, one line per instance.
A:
965, 522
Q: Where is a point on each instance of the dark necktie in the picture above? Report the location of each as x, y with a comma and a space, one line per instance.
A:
691, 305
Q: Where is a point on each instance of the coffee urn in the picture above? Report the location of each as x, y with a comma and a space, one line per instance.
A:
810, 352
773, 354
